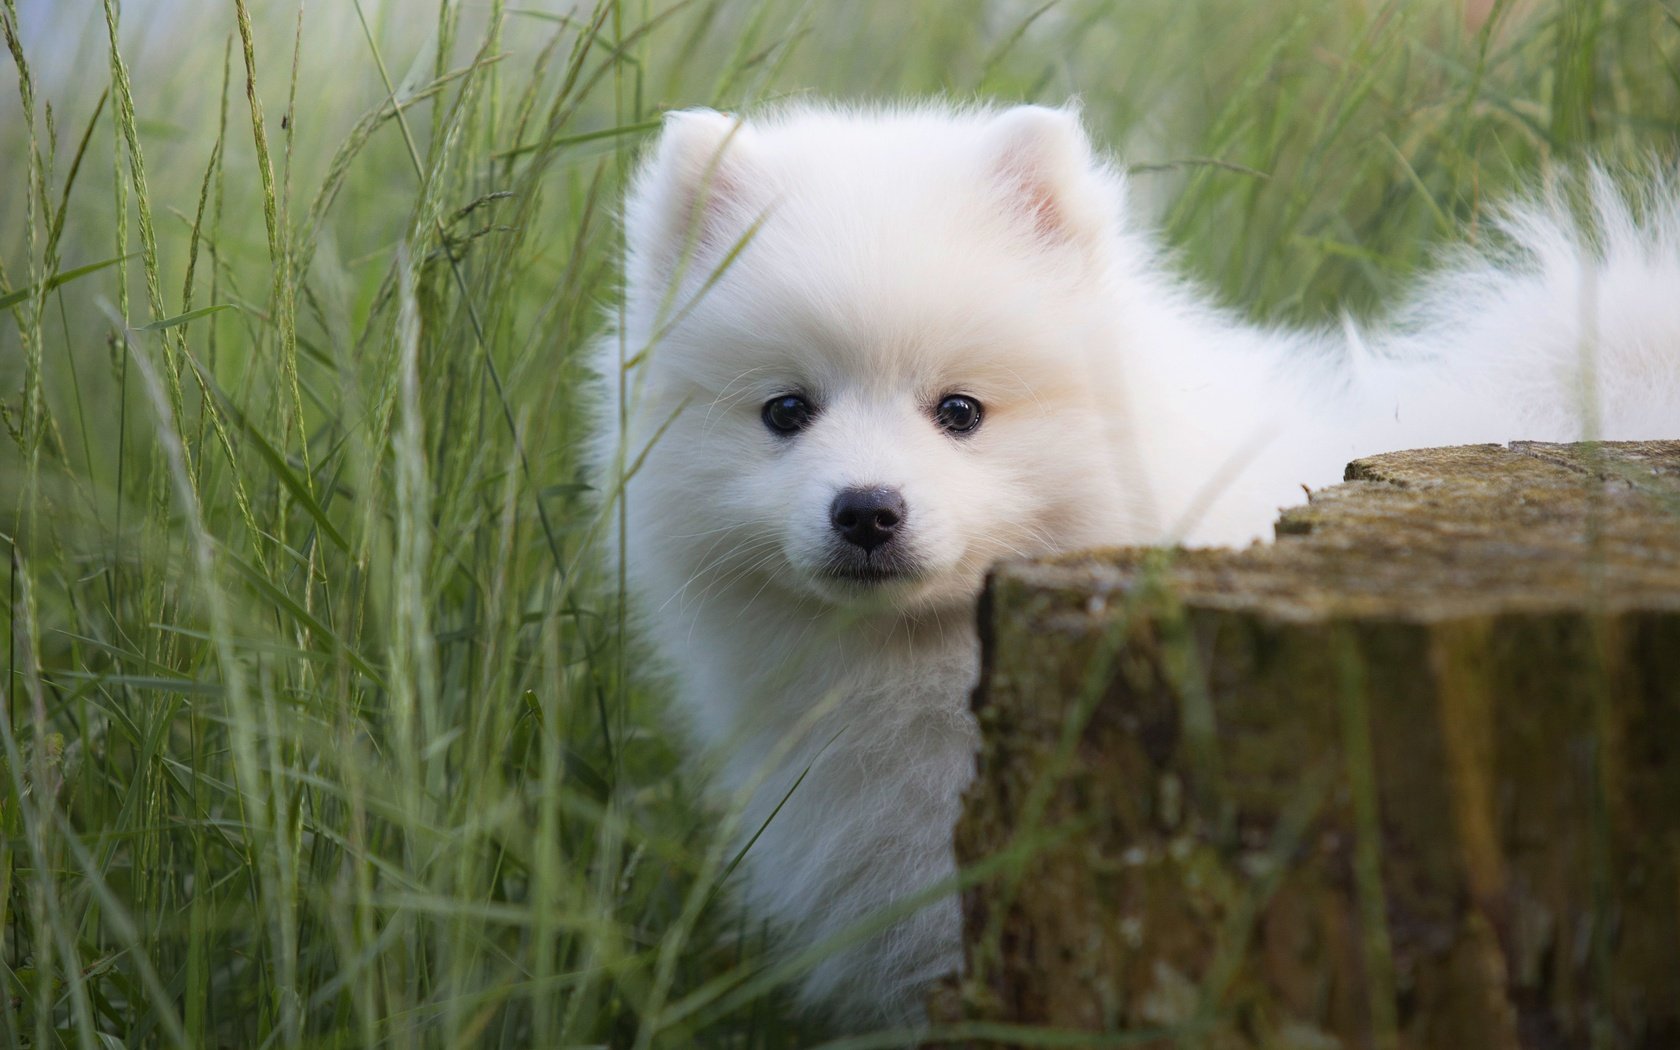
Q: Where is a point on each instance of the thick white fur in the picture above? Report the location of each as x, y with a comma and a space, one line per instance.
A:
877, 260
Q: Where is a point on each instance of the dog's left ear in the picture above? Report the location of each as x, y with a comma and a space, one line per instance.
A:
1042, 161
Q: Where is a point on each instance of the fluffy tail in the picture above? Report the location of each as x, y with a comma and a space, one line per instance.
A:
1569, 317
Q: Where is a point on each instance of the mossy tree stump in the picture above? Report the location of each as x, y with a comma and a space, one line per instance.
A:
1408, 777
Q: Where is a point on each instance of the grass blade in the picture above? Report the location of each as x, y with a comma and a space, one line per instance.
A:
63, 277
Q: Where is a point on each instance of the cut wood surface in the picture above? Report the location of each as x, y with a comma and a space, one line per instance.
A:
1407, 777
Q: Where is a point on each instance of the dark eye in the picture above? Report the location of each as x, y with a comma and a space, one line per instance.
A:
958, 413
788, 414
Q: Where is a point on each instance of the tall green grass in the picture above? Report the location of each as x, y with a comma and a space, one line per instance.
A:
320, 721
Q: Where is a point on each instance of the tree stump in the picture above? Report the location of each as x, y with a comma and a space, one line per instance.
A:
1408, 777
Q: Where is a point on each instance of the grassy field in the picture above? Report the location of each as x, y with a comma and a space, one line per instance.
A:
321, 725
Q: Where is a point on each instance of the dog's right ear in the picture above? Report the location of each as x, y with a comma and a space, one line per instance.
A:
689, 199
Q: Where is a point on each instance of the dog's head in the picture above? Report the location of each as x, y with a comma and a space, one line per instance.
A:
865, 352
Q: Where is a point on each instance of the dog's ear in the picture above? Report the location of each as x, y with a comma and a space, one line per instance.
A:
1042, 160
690, 194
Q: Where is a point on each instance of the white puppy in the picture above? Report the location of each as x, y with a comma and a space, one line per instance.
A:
867, 353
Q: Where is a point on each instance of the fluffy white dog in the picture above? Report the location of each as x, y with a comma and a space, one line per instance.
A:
867, 353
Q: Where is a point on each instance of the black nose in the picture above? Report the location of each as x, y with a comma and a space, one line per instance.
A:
867, 517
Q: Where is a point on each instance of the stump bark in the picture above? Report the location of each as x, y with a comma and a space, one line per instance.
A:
1408, 777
